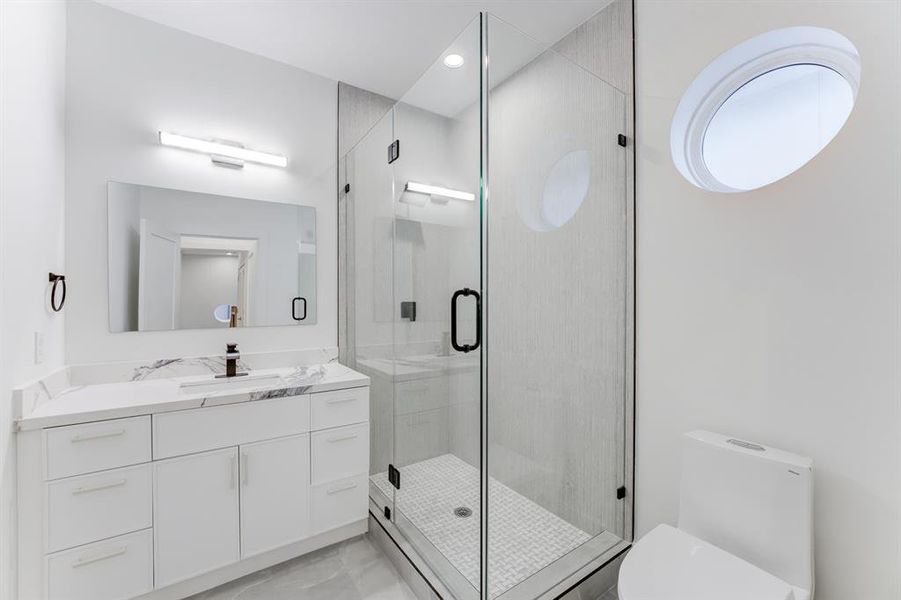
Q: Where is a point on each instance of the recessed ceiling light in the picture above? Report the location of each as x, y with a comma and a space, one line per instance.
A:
453, 61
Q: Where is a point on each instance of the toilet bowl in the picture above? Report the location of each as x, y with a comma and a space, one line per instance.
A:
745, 528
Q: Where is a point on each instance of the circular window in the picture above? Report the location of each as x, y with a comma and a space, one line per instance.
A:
555, 184
765, 108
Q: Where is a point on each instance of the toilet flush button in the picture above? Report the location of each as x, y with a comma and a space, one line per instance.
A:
744, 444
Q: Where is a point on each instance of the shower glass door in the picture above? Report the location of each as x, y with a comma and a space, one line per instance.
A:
437, 291
489, 300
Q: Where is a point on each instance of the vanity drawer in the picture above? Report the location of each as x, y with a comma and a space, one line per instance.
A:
77, 449
200, 429
339, 453
339, 503
114, 569
93, 507
343, 407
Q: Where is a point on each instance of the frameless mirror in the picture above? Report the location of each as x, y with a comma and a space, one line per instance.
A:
186, 260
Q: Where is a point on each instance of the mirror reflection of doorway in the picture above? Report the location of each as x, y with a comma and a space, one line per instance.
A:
216, 271
159, 277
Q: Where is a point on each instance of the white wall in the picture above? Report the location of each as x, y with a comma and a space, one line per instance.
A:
773, 315
32, 178
129, 78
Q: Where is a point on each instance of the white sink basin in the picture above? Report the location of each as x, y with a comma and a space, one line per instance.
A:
232, 384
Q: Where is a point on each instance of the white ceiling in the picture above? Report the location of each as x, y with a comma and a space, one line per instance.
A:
379, 45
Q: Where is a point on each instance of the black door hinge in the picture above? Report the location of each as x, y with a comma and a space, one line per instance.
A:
621, 140
393, 476
387, 513
620, 492
346, 188
393, 151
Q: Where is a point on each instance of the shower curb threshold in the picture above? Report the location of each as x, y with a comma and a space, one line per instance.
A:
430, 578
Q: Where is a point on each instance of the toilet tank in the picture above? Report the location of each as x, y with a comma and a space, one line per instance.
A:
753, 501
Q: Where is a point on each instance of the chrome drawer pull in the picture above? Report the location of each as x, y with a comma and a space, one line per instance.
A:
343, 488
341, 439
97, 488
97, 436
87, 561
340, 400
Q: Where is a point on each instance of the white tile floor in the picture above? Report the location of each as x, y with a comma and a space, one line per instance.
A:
523, 537
352, 570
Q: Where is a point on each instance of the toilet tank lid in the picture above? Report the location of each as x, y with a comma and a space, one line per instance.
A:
670, 563
751, 448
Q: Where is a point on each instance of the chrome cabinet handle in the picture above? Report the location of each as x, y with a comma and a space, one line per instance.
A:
343, 488
87, 561
341, 439
232, 466
244, 476
97, 488
97, 436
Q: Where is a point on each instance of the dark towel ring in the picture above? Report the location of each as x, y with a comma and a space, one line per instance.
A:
56, 279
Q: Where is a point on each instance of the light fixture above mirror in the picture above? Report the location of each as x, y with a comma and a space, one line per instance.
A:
434, 190
228, 154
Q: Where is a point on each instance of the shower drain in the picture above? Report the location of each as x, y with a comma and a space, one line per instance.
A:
463, 512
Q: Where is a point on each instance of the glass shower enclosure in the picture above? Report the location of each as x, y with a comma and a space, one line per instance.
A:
488, 297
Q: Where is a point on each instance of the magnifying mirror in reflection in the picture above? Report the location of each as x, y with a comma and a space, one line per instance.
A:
222, 313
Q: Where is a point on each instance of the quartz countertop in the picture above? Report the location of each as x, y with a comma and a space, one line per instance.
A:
419, 366
80, 404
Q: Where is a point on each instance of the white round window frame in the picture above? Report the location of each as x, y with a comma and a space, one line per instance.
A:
737, 67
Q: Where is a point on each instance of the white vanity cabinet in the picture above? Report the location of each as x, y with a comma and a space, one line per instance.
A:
275, 493
165, 505
195, 514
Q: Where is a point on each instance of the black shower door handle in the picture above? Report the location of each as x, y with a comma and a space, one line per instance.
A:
294, 308
478, 342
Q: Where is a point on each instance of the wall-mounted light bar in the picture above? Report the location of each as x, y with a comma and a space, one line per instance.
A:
220, 149
433, 190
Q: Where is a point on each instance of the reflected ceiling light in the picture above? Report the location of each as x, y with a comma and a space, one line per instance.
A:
433, 190
453, 61
229, 154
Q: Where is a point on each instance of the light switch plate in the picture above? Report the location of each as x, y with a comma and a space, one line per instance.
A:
38, 348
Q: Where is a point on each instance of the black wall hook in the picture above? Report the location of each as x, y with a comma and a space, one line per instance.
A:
57, 305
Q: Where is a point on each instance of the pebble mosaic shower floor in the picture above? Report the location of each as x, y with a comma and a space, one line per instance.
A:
523, 537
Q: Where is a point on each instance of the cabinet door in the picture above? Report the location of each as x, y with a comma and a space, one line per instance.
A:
275, 493
195, 514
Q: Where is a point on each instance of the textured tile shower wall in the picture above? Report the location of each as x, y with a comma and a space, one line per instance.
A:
558, 392
558, 300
